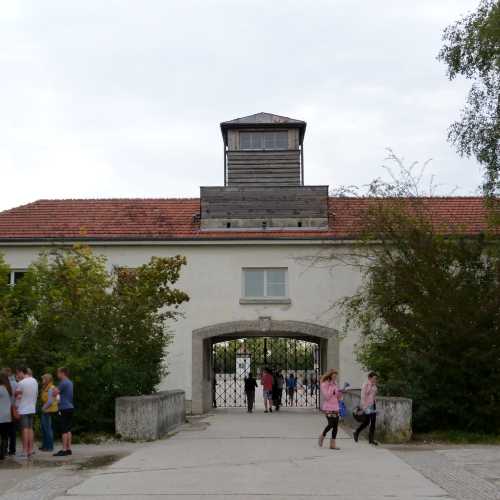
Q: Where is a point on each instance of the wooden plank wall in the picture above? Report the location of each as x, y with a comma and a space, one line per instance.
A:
287, 202
257, 168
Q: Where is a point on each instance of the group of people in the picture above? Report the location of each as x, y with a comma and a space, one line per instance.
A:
330, 405
19, 395
273, 383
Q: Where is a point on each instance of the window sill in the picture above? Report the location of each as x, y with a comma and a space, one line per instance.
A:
264, 300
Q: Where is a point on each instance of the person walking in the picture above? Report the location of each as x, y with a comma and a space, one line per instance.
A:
313, 384
15, 415
66, 409
369, 406
49, 410
330, 406
214, 390
267, 385
279, 382
26, 396
5, 414
291, 386
304, 385
250, 386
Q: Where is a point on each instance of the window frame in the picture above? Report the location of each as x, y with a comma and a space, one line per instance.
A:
265, 297
12, 273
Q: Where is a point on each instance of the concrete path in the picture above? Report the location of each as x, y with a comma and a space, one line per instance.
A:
255, 457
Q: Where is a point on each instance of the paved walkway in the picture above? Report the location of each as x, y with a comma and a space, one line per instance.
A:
235, 455
46, 477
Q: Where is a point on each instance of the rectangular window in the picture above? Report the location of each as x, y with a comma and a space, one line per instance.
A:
264, 140
265, 283
15, 276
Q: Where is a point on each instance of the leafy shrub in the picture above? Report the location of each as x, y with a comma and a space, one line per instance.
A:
429, 313
428, 308
107, 327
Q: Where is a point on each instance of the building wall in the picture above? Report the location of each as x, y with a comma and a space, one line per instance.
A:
213, 279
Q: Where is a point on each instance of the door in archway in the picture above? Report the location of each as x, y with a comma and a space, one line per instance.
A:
233, 360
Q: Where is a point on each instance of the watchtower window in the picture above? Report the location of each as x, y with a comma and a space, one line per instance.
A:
264, 140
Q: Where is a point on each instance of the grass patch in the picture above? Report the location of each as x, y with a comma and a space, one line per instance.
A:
94, 438
456, 437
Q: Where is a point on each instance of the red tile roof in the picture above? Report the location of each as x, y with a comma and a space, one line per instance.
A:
175, 219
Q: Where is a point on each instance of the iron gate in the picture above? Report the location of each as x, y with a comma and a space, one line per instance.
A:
233, 360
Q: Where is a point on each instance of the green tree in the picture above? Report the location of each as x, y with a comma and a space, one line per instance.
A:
428, 311
8, 334
108, 327
472, 49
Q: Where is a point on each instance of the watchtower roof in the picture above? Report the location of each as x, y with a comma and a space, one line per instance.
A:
263, 120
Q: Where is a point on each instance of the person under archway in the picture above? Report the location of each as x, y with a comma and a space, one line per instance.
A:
250, 386
267, 381
291, 388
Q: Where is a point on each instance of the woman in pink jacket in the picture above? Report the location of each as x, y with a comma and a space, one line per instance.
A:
330, 405
369, 406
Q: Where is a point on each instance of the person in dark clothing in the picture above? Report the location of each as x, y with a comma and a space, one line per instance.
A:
214, 392
279, 382
250, 386
66, 410
291, 387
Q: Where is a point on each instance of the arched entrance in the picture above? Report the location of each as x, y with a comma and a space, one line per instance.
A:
205, 338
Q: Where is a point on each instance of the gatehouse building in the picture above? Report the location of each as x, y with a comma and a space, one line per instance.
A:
258, 295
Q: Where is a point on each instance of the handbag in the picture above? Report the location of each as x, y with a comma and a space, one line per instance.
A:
332, 414
358, 414
14, 412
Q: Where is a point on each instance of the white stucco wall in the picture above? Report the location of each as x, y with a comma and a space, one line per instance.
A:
213, 278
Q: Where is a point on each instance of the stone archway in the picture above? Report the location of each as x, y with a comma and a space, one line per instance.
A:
204, 337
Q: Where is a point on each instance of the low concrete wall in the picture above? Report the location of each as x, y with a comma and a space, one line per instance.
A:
393, 416
149, 417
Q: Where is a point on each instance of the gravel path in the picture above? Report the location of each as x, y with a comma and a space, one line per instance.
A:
466, 473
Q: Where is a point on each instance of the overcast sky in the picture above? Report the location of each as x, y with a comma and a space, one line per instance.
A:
124, 98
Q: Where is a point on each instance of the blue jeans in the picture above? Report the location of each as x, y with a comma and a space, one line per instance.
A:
47, 432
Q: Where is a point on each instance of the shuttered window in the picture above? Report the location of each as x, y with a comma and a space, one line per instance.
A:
264, 140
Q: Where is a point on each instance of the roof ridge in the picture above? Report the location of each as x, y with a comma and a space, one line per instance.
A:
174, 218
443, 197
118, 199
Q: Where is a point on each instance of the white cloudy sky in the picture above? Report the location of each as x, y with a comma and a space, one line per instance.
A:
116, 98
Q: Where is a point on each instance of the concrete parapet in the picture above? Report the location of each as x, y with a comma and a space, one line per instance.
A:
149, 417
393, 416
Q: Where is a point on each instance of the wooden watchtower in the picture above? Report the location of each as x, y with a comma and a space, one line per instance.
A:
264, 179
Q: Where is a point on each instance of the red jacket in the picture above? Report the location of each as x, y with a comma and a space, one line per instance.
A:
267, 381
